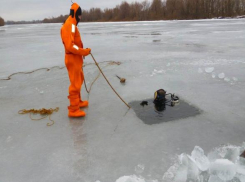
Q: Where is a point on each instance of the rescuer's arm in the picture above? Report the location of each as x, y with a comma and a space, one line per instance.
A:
72, 47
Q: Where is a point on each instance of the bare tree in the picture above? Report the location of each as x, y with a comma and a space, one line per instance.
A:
2, 21
162, 9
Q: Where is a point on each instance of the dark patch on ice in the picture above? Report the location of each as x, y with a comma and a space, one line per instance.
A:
131, 36
195, 45
156, 40
149, 115
155, 33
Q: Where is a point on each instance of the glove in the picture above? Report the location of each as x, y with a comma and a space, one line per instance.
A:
87, 51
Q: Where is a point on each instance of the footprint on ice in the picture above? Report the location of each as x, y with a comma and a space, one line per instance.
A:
209, 69
221, 75
200, 70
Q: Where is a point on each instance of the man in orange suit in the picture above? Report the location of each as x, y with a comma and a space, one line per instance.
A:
74, 53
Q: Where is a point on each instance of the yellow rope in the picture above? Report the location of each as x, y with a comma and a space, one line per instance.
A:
43, 111
90, 88
108, 81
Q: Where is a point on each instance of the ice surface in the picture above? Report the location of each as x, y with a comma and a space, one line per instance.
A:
111, 140
200, 70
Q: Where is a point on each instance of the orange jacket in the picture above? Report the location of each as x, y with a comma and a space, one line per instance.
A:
71, 37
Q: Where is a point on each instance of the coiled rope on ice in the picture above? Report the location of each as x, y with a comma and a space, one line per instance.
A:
43, 111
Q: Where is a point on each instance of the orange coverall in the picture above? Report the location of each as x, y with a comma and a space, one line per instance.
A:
74, 53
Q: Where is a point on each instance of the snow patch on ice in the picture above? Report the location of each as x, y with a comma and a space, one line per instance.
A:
132, 178
139, 168
155, 71
221, 75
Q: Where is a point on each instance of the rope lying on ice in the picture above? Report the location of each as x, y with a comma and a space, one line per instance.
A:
109, 63
88, 90
48, 69
43, 111
108, 81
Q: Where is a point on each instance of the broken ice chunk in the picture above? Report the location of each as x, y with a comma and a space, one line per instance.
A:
227, 79
223, 168
181, 175
221, 75
232, 153
209, 69
192, 172
201, 160
235, 79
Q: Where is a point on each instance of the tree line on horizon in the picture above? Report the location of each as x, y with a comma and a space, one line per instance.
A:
156, 10
162, 10
1, 21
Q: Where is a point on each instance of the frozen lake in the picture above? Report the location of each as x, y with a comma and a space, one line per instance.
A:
201, 61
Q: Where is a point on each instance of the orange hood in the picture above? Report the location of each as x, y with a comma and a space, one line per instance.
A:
74, 12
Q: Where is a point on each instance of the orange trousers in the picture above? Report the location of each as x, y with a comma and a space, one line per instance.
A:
76, 76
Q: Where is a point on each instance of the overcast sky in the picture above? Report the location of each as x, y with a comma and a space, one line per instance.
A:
39, 9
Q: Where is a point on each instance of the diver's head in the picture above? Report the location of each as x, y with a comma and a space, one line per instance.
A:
159, 97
